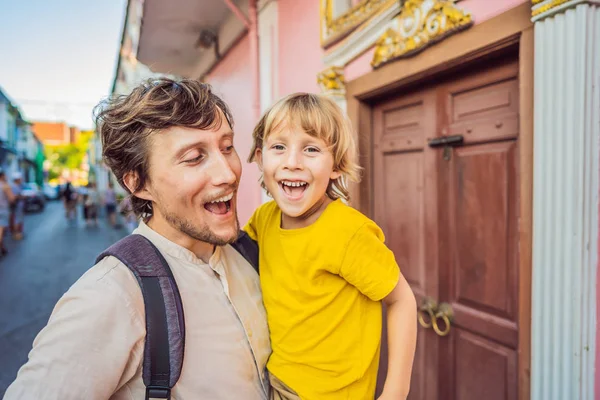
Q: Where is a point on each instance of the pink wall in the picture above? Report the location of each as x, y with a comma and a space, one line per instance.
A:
481, 10
300, 50
232, 80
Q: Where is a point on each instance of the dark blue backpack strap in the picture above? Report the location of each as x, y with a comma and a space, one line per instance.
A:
165, 324
247, 248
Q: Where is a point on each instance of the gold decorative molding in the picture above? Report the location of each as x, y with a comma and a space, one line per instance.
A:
420, 24
546, 6
335, 28
332, 81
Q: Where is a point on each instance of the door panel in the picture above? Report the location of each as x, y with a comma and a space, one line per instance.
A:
482, 238
483, 369
483, 201
403, 196
484, 111
405, 187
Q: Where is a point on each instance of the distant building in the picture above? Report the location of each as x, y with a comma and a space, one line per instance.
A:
20, 149
55, 133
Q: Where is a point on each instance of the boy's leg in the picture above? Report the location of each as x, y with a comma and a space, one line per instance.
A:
280, 391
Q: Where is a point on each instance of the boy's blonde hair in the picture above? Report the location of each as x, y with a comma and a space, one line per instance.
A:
319, 117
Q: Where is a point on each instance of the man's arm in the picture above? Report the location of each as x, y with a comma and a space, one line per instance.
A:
402, 340
93, 343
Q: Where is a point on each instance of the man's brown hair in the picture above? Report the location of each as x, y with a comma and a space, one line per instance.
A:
125, 124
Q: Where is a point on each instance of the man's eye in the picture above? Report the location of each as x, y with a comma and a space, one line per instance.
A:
194, 160
228, 149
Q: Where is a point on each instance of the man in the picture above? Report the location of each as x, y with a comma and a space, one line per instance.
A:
170, 144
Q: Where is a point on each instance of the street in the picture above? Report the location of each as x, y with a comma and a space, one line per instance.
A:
36, 273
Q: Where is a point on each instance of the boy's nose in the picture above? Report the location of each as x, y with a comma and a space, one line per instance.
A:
293, 161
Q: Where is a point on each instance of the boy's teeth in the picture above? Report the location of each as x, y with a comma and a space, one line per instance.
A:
223, 199
293, 184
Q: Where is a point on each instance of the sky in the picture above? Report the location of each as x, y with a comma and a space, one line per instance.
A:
58, 57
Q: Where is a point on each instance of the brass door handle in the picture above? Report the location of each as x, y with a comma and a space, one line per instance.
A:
445, 313
427, 311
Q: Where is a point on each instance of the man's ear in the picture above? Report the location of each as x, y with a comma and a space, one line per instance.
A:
130, 180
258, 158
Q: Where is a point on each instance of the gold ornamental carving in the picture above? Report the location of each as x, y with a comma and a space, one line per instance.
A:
542, 6
334, 28
420, 24
332, 81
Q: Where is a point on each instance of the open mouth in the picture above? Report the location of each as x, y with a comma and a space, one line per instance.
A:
293, 189
220, 206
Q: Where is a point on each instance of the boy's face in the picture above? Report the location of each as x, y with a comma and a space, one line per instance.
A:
296, 170
194, 176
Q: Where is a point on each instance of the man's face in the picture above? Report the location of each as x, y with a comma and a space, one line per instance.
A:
194, 176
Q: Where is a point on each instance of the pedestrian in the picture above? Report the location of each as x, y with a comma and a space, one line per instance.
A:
69, 196
110, 202
6, 198
18, 207
126, 211
169, 143
325, 269
91, 204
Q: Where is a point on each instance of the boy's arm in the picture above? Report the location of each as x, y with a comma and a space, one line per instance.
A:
371, 267
402, 340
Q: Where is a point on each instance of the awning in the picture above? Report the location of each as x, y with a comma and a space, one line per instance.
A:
187, 37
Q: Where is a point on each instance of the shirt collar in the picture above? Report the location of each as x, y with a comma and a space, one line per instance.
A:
165, 246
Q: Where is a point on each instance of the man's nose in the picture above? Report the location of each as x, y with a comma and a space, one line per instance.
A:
222, 172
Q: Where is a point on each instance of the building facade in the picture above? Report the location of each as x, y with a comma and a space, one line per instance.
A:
55, 133
20, 149
478, 124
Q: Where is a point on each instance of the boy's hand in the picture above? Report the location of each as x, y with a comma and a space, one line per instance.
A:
391, 396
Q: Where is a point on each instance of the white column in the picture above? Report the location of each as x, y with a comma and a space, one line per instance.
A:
565, 199
268, 33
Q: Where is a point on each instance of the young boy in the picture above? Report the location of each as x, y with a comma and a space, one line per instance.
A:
324, 267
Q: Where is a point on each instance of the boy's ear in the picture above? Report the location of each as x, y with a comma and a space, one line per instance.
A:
130, 180
335, 174
258, 158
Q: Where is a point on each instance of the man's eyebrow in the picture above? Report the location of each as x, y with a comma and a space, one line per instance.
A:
200, 143
184, 149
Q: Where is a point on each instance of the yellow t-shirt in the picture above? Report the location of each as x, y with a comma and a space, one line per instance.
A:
322, 287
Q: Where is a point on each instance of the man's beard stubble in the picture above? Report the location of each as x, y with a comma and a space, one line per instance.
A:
203, 234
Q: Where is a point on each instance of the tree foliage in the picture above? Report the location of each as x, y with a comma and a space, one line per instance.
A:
67, 156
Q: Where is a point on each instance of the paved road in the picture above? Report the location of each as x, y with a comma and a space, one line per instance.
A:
36, 273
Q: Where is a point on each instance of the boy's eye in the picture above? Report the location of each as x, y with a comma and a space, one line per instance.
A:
228, 149
313, 149
278, 147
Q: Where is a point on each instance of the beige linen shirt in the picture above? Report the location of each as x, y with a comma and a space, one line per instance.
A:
93, 344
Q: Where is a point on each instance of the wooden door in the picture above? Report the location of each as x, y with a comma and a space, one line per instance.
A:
405, 194
450, 215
